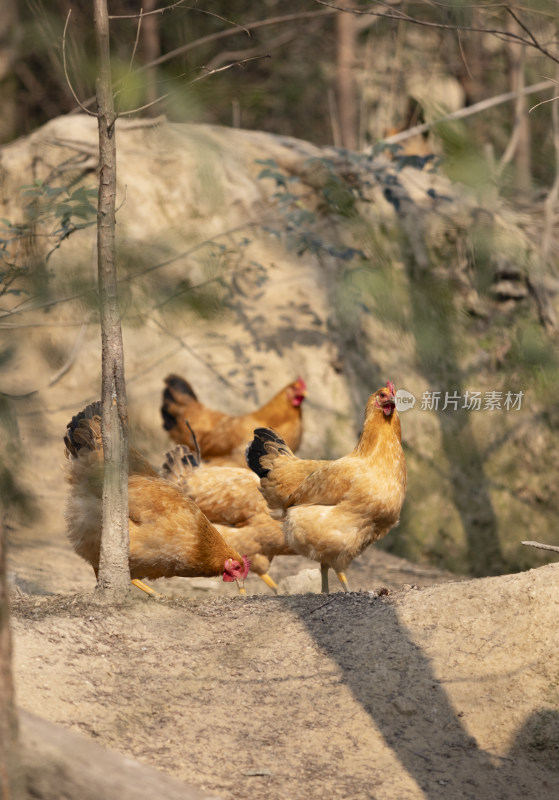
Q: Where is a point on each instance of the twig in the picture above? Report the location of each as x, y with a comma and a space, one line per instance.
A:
135, 48
180, 4
524, 27
206, 74
314, 610
468, 111
146, 13
401, 16
76, 98
542, 546
213, 37
27, 304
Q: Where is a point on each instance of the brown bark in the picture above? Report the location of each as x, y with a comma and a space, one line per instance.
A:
152, 51
521, 124
11, 787
345, 79
8, 55
114, 571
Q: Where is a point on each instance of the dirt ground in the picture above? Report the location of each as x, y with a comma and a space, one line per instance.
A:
440, 688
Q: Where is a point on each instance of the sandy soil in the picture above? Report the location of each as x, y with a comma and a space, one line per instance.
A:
436, 688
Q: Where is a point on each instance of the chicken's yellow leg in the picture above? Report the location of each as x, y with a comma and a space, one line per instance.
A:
341, 577
145, 588
140, 584
343, 580
269, 582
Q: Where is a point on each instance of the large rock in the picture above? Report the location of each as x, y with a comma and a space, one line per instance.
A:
225, 282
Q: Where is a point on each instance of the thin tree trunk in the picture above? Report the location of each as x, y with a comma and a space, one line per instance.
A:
521, 126
347, 103
152, 51
11, 783
9, 47
114, 571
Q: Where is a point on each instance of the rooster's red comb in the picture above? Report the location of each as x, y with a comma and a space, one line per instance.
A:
390, 387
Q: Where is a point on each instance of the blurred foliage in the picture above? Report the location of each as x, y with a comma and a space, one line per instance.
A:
50, 212
289, 87
16, 499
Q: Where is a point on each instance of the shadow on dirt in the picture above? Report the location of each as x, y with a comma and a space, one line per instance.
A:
421, 726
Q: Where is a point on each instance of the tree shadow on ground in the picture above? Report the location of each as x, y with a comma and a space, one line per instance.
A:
410, 707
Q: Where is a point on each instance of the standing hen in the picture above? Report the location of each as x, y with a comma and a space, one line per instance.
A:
223, 437
333, 510
231, 500
169, 535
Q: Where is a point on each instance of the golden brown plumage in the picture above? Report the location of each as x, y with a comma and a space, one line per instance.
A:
169, 535
231, 499
224, 437
332, 510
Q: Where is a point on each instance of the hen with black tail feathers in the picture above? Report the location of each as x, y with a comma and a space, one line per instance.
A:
222, 437
332, 510
169, 535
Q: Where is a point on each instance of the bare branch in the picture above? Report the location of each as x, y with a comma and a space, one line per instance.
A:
542, 546
213, 37
180, 4
195, 80
227, 55
28, 304
549, 100
401, 16
524, 27
217, 16
468, 111
138, 30
146, 13
76, 98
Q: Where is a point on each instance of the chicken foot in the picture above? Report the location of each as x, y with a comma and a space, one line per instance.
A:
137, 582
341, 577
269, 582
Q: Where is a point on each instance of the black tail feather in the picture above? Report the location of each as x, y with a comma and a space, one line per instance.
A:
74, 443
169, 421
174, 384
178, 384
178, 461
257, 448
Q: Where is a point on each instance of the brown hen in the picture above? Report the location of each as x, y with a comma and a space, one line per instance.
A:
169, 535
223, 437
333, 510
231, 499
